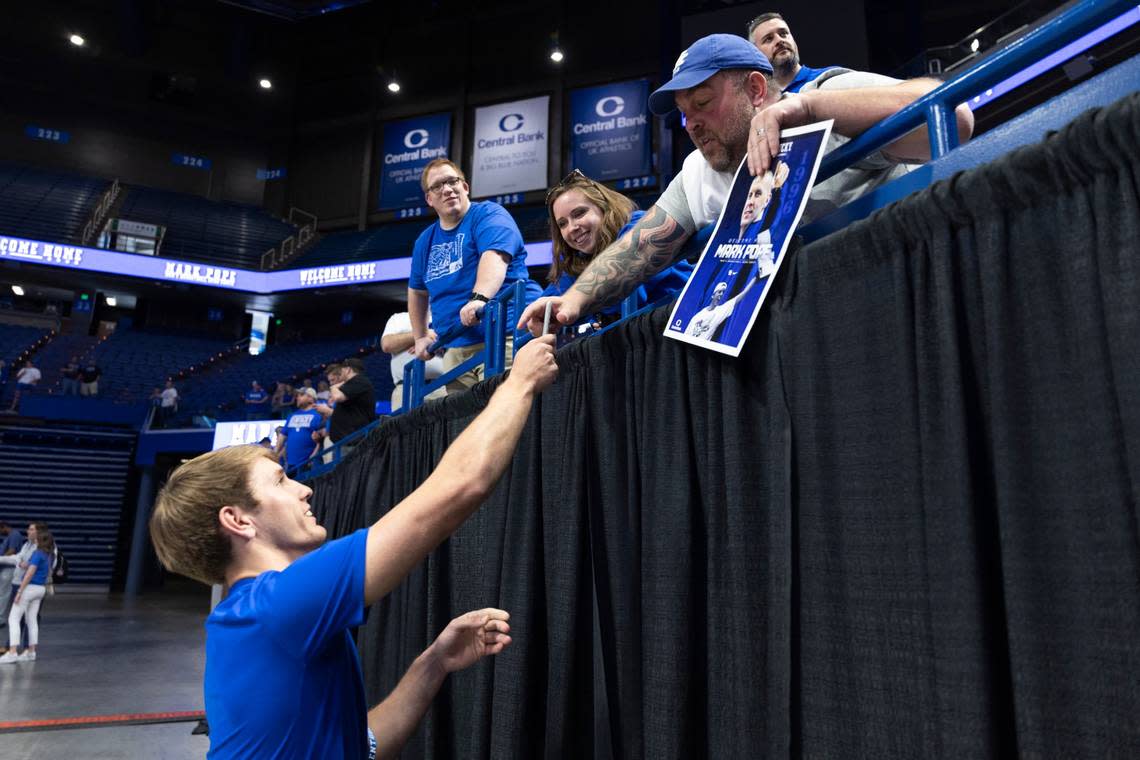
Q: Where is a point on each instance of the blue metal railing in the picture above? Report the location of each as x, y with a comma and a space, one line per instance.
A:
316, 465
936, 108
495, 313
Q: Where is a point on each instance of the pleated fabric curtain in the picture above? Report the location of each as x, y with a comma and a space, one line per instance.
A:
903, 523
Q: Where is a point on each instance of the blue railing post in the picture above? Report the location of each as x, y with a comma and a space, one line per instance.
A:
494, 340
518, 303
943, 126
413, 384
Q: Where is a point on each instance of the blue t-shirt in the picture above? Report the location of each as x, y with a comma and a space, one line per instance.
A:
282, 676
667, 282
805, 75
445, 263
13, 542
43, 566
299, 429
256, 396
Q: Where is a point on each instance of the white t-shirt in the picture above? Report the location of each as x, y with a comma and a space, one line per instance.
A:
28, 376
169, 397
696, 196
402, 323
704, 322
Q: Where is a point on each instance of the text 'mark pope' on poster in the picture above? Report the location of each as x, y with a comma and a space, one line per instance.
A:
511, 147
719, 304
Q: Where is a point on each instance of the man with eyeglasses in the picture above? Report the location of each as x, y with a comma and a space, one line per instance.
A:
734, 110
471, 254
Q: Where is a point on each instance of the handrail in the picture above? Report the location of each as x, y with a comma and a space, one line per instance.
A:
493, 356
102, 206
295, 244
936, 108
315, 465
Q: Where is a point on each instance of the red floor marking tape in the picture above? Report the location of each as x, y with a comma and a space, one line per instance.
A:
95, 721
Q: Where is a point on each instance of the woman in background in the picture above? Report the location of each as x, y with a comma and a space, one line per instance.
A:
30, 594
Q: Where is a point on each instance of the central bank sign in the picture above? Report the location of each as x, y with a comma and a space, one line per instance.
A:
609, 130
408, 146
510, 147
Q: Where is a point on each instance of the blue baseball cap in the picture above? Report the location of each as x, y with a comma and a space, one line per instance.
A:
705, 57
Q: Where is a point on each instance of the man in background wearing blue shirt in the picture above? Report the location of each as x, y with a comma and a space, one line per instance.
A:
256, 402
282, 675
471, 254
11, 542
303, 428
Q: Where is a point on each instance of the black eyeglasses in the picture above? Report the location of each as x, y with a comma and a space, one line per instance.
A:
574, 175
437, 187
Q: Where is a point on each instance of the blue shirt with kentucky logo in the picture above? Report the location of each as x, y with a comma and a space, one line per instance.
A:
445, 263
299, 429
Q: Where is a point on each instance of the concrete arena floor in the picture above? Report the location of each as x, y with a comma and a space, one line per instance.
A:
102, 655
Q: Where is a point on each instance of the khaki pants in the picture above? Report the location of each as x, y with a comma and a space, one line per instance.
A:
456, 356
398, 395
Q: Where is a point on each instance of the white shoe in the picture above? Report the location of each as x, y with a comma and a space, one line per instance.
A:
26, 657
9, 657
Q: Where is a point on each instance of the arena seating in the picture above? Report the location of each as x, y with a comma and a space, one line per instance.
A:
218, 391
231, 234
82, 501
15, 338
387, 242
44, 204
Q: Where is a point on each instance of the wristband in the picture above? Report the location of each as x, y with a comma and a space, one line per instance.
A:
478, 297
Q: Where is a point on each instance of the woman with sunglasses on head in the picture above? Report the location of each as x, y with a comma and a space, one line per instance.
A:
585, 217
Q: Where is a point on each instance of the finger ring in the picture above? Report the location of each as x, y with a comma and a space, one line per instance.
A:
761, 130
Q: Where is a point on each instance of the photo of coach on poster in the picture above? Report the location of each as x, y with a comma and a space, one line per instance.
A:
719, 304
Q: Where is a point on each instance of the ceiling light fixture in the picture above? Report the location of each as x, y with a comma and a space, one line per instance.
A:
556, 55
393, 86
77, 40
17, 290
111, 301
265, 84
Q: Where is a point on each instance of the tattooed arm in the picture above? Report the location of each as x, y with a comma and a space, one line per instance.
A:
650, 246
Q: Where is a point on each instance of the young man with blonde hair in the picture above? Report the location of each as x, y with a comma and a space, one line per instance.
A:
282, 674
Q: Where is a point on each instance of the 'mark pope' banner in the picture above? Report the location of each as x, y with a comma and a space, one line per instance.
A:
409, 146
609, 130
511, 147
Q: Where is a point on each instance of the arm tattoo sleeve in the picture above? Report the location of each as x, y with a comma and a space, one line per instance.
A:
649, 247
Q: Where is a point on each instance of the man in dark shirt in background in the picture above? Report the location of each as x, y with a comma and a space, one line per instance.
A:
355, 401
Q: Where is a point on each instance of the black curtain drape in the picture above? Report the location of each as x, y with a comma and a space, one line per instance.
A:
902, 524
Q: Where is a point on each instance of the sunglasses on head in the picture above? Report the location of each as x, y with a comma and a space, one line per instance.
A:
567, 180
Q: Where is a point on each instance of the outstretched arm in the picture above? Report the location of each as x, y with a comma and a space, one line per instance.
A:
465, 641
650, 246
462, 480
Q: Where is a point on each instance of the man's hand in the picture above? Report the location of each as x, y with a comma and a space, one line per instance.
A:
764, 132
422, 346
534, 365
562, 312
431, 334
469, 314
471, 637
